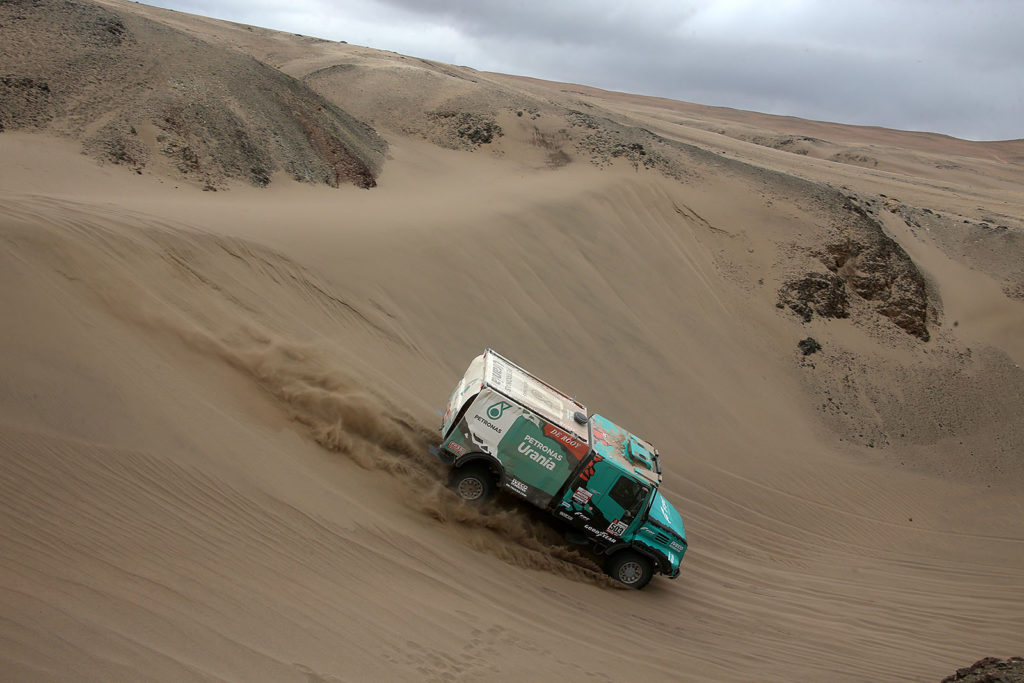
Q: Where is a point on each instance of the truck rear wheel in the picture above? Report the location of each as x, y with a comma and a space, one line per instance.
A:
630, 568
473, 483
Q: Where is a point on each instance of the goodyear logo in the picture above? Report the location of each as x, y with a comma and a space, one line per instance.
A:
494, 412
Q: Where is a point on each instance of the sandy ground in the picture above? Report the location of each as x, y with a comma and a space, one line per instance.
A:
216, 406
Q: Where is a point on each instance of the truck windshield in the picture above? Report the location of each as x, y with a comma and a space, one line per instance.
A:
629, 494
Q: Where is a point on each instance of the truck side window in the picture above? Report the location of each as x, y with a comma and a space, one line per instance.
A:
628, 494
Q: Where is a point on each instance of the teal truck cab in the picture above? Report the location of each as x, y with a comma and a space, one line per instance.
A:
506, 429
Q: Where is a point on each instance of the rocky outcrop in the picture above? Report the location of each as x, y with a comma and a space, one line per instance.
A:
864, 262
821, 293
463, 129
990, 670
877, 269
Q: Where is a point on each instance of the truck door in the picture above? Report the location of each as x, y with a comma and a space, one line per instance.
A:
604, 500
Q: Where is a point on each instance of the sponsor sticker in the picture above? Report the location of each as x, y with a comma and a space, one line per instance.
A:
616, 528
495, 410
455, 447
568, 441
540, 453
488, 424
517, 486
581, 496
600, 534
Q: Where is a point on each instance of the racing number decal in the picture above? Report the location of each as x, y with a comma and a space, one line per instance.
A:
617, 528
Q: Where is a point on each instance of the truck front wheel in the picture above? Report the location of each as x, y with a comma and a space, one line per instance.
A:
630, 568
473, 483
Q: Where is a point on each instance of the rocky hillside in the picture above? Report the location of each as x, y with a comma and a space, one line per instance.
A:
147, 96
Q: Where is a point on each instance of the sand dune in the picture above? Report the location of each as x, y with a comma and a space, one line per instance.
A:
216, 408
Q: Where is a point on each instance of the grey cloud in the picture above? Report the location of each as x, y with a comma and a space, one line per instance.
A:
953, 67
562, 22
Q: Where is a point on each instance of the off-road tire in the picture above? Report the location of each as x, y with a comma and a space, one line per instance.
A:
473, 483
630, 569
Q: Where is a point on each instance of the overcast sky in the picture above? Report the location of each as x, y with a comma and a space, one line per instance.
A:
948, 66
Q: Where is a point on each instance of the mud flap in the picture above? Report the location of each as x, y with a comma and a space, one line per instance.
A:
444, 456
575, 537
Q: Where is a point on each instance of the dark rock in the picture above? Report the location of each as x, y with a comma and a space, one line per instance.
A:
342, 163
808, 346
877, 269
475, 129
821, 293
259, 176
990, 670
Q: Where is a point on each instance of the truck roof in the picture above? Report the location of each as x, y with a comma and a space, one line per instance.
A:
627, 450
539, 396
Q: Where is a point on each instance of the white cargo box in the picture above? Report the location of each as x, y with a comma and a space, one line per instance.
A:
538, 396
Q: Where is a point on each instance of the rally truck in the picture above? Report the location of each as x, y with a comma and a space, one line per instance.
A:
507, 430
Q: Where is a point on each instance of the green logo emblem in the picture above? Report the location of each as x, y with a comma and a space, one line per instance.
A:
495, 411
